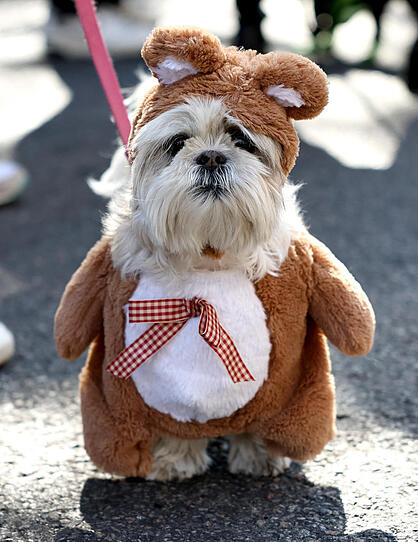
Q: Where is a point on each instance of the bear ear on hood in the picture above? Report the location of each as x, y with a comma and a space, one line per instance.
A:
172, 53
294, 82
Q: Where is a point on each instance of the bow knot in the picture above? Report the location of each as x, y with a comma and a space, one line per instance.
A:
209, 327
194, 306
168, 317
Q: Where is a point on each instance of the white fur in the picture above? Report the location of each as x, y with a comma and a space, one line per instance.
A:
175, 459
155, 223
135, 96
287, 97
186, 378
172, 69
117, 175
248, 455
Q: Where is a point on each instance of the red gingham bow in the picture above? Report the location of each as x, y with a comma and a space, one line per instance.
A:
168, 317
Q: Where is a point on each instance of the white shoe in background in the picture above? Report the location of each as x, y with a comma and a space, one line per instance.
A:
7, 344
122, 34
13, 180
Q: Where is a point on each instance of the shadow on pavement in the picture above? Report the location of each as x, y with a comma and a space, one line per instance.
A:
215, 507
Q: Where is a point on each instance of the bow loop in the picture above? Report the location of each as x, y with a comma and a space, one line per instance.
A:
209, 326
158, 310
168, 317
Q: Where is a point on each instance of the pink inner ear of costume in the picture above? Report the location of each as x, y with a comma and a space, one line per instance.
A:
173, 53
172, 69
294, 82
287, 97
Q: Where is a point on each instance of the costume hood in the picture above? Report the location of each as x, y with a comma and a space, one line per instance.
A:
265, 92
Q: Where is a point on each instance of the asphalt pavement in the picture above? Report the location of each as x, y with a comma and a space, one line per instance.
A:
361, 488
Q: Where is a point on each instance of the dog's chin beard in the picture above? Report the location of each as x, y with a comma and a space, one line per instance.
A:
207, 209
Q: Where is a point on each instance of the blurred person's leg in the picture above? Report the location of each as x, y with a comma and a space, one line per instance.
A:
412, 69
325, 23
67, 6
250, 17
412, 73
376, 7
63, 7
122, 33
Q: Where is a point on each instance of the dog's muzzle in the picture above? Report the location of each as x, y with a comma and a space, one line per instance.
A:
211, 179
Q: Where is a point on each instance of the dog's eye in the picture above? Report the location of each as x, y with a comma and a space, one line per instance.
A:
176, 143
242, 141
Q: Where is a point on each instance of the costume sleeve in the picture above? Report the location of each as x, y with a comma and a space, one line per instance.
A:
339, 305
79, 316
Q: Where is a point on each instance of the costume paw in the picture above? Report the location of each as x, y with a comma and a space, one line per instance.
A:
248, 455
175, 459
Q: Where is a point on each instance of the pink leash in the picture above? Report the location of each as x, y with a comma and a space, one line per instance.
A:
104, 66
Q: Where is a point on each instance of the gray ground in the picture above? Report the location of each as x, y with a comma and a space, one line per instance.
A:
361, 488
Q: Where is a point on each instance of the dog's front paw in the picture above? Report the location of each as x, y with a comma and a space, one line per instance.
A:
175, 459
248, 455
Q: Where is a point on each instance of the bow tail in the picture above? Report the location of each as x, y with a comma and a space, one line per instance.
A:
231, 358
145, 346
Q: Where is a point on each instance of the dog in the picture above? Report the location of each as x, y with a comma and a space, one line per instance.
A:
202, 221
227, 184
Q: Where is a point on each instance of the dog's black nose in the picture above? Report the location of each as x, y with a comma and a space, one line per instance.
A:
211, 160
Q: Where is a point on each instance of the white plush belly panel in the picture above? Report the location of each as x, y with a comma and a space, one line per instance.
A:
186, 378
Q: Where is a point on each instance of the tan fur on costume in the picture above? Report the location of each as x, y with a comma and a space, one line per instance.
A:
312, 297
294, 409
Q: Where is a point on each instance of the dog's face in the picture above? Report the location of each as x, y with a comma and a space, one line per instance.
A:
200, 179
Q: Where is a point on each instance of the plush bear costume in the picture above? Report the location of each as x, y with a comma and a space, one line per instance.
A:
312, 297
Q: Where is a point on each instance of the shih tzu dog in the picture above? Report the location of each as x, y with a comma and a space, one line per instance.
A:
203, 193
202, 220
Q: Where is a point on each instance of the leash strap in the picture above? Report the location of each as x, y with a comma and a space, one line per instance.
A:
104, 66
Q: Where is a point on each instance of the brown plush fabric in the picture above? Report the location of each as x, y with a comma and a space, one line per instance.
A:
296, 72
294, 409
203, 50
240, 78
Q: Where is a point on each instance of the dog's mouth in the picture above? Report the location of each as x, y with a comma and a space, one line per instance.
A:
211, 184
